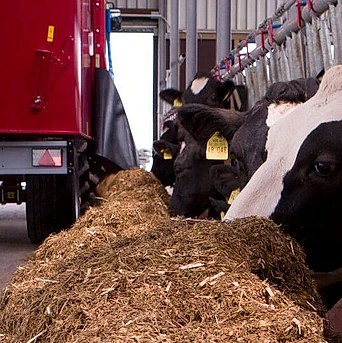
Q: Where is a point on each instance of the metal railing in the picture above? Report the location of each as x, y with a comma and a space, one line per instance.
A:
302, 39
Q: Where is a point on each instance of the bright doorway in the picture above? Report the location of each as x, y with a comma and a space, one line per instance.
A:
132, 60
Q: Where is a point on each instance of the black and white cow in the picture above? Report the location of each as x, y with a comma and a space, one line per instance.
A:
299, 185
204, 89
195, 186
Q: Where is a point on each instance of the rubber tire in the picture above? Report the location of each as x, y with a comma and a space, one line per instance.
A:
51, 205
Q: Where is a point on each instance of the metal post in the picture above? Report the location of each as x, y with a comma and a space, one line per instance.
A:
254, 83
273, 66
318, 58
310, 50
223, 29
174, 45
298, 47
191, 40
324, 36
161, 64
249, 85
294, 56
336, 34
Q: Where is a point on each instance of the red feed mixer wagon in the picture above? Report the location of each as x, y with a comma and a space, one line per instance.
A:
62, 123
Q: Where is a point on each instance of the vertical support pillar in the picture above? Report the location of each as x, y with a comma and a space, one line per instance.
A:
174, 45
161, 66
223, 29
191, 41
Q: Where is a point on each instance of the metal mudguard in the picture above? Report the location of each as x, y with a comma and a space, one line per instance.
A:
113, 136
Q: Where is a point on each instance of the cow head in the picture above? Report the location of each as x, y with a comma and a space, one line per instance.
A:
203, 89
190, 197
192, 186
165, 151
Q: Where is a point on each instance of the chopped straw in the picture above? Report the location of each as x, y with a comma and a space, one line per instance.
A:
126, 272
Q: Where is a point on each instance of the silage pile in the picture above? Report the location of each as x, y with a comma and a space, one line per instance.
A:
127, 272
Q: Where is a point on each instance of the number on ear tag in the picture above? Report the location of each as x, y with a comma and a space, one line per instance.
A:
217, 147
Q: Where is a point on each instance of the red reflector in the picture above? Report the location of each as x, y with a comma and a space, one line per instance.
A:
46, 160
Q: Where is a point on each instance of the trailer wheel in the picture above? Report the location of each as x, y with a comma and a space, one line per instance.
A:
51, 205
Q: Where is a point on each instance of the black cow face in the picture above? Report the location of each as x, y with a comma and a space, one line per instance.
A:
165, 151
163, 159
311, 199
190, 197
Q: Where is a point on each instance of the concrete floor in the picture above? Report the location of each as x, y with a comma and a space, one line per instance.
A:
15, 246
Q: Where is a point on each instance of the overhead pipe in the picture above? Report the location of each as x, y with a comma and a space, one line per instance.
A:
319, 7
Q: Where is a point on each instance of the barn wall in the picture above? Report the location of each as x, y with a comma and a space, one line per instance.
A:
246, 14
137, 4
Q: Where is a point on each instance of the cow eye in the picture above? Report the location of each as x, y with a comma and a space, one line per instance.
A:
213, 98
325, 168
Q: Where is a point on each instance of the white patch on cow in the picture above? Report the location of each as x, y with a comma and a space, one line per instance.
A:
262, 193
198, 85
278, 111
182, 147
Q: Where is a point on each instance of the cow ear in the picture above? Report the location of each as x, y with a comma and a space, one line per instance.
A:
224, 179
227, 89
202, 121
162, 146
171, 96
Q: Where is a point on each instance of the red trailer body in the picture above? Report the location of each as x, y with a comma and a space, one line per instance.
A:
62, 123
47, 65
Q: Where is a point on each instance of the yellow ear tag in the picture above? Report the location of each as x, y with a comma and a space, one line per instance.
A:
233, 195
217, 147
177, 103
167, 155
222, 214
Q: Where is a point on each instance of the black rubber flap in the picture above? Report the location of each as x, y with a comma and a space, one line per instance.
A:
113, 136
